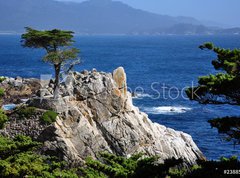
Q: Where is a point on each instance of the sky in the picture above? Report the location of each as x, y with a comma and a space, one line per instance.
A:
224, 12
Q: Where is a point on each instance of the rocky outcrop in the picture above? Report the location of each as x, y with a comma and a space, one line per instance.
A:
119, 76
97, 114
18, 89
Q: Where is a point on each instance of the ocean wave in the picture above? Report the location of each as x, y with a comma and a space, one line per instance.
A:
166, 110
141, 95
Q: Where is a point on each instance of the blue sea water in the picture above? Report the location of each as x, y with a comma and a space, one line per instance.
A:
151, 62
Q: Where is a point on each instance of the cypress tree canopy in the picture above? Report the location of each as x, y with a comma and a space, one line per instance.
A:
47, 39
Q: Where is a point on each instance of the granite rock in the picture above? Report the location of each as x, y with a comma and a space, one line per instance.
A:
96, 114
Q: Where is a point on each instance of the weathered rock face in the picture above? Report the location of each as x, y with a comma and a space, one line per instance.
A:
119, 76
18, 88
97, 114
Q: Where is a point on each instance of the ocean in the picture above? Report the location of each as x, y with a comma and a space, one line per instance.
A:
158, 69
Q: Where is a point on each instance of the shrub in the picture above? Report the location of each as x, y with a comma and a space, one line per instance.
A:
120, 167
25, 112
1, 92
214, 168
49, 117
3, 118
18, 159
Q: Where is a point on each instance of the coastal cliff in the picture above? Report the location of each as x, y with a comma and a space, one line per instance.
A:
96, 114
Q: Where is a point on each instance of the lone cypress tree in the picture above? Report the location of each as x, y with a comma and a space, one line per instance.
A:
55, 42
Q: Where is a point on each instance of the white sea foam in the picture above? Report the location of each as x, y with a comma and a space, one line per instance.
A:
167, 110
141, 95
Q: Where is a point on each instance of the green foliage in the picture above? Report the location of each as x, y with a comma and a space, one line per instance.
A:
54, 42
226, 83
32, 165
49, 117
2, 92
227, 60
112, 166
60, 56
173, 172
3, 118
207, 45
214, 168
216, 80
220, 83
26, 112
18, 159
50, 40
119, 167
17, 145
228, 125
208, 169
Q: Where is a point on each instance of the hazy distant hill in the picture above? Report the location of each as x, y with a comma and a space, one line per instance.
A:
90, 17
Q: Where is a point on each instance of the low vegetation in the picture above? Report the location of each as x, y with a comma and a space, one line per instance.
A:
133, 167
19, 157
2, 92
26, 112
49, 117
3, 119
224, 168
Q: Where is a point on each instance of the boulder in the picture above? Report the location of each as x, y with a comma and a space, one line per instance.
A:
119, 76
19, 88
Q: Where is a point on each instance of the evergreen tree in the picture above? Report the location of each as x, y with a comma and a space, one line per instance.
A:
227, 82
227, 60
55, 42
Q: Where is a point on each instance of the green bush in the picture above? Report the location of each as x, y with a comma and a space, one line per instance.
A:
139, 167
18, 159
49, 117
26, 112
120, 167
2, 92
3, 118
214, 168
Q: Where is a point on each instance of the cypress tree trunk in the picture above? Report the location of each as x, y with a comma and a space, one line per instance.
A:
57, 68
